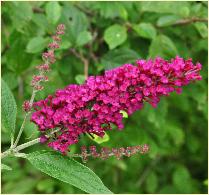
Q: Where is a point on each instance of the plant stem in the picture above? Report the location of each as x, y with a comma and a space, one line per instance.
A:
27, 144
6, 153
20, 132
20, 147
24, 120
192, 20
83, 59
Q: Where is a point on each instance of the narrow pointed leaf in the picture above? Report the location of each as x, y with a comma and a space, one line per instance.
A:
68, 170
8, 109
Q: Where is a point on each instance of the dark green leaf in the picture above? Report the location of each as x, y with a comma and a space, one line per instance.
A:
162, 46
16, 59
53, 12
36, 45
118, 57
46, 185
83, 38
202, 29
145, 30
68, 170
179, 8
151, 183
11, 79
116, 9
21, 186
40, 20
176, 134
75, 22
167, 20
115, 35
8, 109
21, 14
181, 180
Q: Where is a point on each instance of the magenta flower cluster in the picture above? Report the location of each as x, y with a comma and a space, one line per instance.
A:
95, 105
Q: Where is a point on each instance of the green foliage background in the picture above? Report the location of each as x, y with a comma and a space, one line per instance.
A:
176, 130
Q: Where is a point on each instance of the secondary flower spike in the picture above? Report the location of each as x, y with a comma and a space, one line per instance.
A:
93, 106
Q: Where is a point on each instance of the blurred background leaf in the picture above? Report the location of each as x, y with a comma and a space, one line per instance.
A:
115, 35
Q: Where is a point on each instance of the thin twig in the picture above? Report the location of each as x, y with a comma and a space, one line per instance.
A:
21, 130
88, 13
92, 54
25, 145
26, 114
20, 147
192, 20
186, 22
83, 59
24, 120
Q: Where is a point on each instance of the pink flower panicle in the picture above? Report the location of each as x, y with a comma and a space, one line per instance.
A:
95, 105
106, 153
48, 58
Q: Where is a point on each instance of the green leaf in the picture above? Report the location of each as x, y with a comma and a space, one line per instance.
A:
8, 109
118, 57
167, 20
22, 185
145, 30
179, 8
53, 12
176, 133
16, 59
46, 185
162, 46
40, 20
124, 113
36, 45
116, 9
68, 170
168, 189
80, 79
21, 14
75, 22
151, 183
83, 38
181, 179
65, 44
115, 35
202, 29
3, 166
99, 139
11, 79
123, 12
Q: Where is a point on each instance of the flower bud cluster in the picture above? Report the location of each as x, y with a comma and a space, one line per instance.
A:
107, 152
95, 105
26, 106
48, 58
